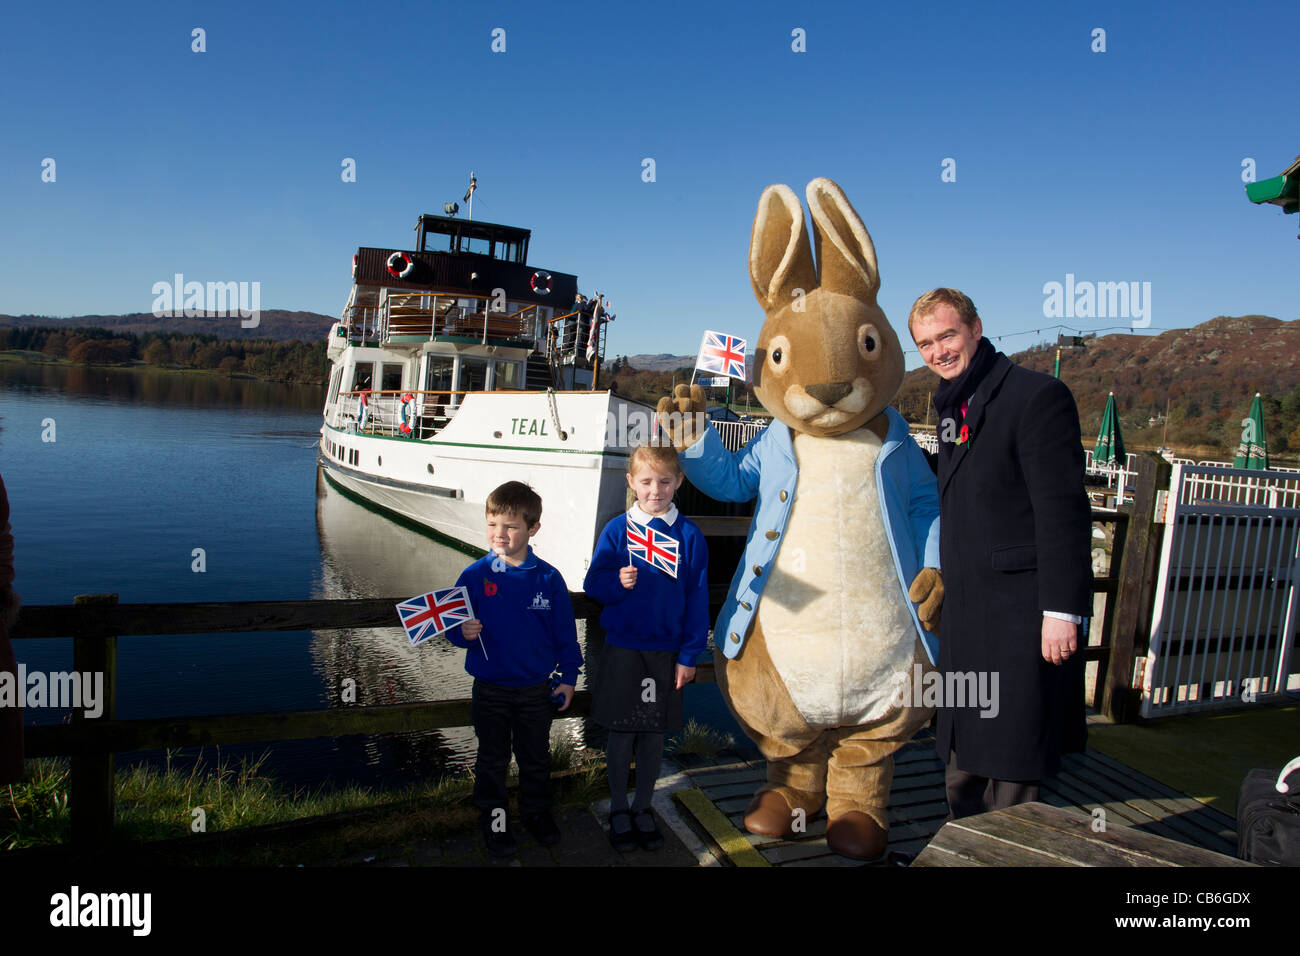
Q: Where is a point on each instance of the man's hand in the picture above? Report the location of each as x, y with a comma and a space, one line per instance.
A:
927, 592
470, 630
565, 691
684, 675
627, 577
1060, 640
684, 415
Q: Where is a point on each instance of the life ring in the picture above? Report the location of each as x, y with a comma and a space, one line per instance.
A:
354, 265
408, 412
540, 279
405, 271
363, 415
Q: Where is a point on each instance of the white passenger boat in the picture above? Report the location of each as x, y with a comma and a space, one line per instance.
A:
457, 366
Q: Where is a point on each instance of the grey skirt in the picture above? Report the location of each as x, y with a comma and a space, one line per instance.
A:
634, 691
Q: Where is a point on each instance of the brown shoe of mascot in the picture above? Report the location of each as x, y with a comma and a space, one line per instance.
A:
829, 615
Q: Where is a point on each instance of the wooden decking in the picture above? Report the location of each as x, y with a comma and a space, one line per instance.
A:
918, 808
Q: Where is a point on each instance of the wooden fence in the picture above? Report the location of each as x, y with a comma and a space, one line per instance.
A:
96, 621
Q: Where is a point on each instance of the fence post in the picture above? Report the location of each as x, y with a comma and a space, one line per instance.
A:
1136, 588
93, 776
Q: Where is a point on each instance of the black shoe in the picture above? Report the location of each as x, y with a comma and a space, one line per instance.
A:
649, 836
624, 841
542, 827
499, 843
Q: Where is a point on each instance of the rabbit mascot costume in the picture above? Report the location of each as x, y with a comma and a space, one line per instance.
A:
833, 605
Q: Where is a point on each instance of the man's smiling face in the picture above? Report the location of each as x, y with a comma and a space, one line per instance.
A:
946, 343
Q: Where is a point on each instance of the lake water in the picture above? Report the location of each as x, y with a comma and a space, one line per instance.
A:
144, 468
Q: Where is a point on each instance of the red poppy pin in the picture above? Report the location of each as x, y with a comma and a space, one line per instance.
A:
489, 588
964, 437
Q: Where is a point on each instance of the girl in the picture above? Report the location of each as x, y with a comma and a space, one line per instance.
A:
656, 621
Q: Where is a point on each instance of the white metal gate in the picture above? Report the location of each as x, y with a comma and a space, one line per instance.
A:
1225, 612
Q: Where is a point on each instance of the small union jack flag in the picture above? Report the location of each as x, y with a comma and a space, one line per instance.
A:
721, 353
655, 548
430, 614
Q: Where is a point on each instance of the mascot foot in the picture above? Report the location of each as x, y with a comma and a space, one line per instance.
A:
857, 836
769, 815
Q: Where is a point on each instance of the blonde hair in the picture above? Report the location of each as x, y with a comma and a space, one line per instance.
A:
959, 300
663, 457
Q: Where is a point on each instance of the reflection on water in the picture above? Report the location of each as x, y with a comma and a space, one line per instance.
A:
364, 554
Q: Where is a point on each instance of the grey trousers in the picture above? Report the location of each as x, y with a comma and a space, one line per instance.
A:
969, 794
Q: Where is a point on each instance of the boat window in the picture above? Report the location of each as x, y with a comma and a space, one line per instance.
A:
363, 376
438, 373
509, 375
473, 375
336, 378
476, 245
392, 381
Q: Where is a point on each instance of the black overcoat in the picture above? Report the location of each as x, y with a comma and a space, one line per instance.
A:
1015, 540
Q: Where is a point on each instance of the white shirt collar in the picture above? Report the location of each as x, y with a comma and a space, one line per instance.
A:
639, 515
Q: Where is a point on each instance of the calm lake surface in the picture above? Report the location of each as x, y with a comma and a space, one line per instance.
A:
147, 466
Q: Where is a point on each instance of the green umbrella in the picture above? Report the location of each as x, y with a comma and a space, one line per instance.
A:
1253, 450
1110, 443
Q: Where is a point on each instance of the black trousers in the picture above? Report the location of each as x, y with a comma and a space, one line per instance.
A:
969, 794
518, 718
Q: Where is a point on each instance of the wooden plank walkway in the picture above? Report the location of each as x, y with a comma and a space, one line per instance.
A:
918, 807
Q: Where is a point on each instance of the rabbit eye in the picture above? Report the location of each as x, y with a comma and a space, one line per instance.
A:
778, 348
868, 341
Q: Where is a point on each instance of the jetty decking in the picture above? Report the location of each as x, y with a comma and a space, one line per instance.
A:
1087, 782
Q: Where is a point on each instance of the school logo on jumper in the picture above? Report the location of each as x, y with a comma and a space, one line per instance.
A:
655, 548
541, 603
430, 614
723, 354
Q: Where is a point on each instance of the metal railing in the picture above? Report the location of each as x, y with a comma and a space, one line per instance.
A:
1224, 617
381, 412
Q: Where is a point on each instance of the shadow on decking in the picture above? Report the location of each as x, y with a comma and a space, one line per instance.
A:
1087, 783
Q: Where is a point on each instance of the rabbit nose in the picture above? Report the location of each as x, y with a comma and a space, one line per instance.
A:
829, 393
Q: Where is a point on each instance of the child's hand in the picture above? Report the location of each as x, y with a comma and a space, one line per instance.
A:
684, 675
565, 691
470, 630
627, 577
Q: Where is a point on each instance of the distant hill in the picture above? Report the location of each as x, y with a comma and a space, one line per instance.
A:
278, 325
1208, 374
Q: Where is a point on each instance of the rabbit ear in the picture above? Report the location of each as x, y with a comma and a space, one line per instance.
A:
846, 257
780, 256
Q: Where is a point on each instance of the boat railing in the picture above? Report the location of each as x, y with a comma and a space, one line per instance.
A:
429, 315
569, 338
381, 412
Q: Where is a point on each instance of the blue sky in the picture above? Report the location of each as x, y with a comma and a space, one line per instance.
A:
1115, 166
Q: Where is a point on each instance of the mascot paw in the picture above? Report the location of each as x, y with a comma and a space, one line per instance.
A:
684, 415
927, 592
770, 815
857, 836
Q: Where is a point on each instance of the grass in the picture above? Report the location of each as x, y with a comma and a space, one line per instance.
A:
162, 803
699, 740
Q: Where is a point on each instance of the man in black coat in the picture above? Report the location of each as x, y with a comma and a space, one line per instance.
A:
1015, 538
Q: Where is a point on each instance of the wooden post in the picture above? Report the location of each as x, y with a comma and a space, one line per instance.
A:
1138, 562
93, 776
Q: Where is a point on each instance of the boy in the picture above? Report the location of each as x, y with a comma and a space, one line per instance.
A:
524, 631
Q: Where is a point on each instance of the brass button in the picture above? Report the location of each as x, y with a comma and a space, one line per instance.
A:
734, 637
784, 495
772, 536
746, 605
758, 569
